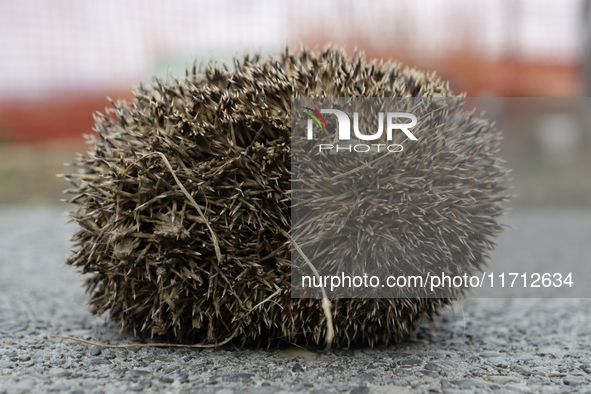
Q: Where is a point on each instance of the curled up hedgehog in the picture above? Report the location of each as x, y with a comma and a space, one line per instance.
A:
184, 204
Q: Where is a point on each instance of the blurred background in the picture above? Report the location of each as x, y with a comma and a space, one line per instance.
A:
60, 59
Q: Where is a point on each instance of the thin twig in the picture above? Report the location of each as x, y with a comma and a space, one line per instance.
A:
214, 238
326, 304
150, 344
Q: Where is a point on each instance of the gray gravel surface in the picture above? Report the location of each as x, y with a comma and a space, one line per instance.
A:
483, 345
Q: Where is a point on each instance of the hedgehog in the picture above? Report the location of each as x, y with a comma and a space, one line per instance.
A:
184, 204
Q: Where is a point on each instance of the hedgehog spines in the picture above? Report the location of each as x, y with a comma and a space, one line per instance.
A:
150, 253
